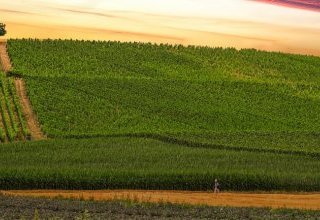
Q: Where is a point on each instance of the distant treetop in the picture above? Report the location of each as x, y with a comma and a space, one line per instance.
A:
2, 29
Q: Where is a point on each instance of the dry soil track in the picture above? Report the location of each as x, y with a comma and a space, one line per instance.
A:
30, 117
5, 60
275, 200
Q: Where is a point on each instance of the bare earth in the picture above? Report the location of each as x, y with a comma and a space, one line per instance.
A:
275, 200
30, 117
5, 60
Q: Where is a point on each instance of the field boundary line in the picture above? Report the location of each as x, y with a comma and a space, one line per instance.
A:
186, 143
32, 122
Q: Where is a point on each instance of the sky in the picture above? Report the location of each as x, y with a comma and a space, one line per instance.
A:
276, 25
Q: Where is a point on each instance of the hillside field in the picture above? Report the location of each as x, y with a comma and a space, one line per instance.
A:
133, 115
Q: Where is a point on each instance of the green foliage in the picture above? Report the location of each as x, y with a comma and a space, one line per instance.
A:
12, 124
84, 216
5, 112
18, 107
249, 118
2, 135
36, 215
2, 29
9, 107
307, 143
207, 95
138, 163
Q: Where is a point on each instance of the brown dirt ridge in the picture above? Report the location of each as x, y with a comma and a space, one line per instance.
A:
31, 119
308, 201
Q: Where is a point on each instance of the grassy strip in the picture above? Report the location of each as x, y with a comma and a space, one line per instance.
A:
6, 120
188, 142
9, 108
2, 132
18, 107
2, 135
139, 163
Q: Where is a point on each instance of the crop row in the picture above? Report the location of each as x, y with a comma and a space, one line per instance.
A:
217, 113
18, 107
105, 59
2, 135
14, 127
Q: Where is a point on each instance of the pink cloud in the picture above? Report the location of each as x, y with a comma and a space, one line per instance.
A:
313, 5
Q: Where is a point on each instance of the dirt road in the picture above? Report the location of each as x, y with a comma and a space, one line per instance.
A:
4, 58
276, 200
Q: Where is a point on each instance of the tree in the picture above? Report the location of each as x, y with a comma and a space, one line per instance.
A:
2, 29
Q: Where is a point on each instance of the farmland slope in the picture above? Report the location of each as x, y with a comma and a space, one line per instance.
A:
143, 116
209, 96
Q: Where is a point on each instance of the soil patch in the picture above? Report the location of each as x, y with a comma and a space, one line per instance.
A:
4, 58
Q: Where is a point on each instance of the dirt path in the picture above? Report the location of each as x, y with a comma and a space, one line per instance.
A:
32, 122
276, 200
30, 117
4, 58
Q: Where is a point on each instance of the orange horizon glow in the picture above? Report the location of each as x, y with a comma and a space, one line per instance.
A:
226, 23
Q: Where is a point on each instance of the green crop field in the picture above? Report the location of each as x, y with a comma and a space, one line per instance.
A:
138, 163
167, 117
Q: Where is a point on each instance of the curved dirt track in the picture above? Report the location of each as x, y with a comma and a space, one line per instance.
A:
275, 200
30, 117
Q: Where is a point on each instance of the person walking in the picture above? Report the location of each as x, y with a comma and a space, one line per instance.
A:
216, 188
